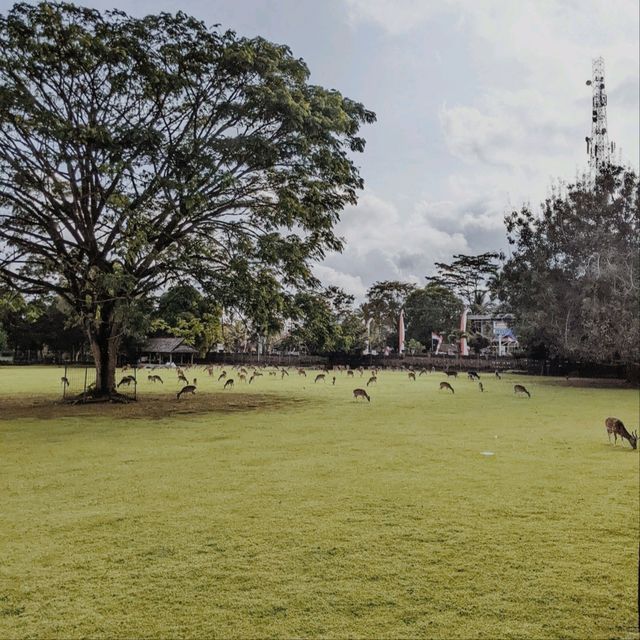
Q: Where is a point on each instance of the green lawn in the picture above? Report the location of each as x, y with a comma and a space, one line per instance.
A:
296, 511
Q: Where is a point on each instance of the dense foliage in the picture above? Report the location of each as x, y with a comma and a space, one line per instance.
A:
573, 278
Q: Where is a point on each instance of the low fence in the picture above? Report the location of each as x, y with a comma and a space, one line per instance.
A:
79, 379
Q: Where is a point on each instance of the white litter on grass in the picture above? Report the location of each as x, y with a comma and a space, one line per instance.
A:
487, 453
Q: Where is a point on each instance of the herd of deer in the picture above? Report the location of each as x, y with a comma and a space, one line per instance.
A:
614, 426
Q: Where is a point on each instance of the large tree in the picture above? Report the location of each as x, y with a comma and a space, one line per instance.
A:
573, 280
470, 278
139, 151
433, 308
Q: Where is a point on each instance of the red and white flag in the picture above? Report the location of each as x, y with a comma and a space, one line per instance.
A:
401, 332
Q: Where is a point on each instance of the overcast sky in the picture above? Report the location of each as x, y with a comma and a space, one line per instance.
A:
481, 104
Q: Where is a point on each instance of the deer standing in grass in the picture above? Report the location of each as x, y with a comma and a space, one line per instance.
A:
372, 380
182, 378
350, 372
127, 380
65, 381
188, 389
446, 385
452, 373
319, 377
361, 393
615, 426
155, 379
412, 376
228, 384
222, 376
519, 389
480, 387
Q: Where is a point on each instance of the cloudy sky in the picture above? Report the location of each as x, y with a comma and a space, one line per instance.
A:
481, 104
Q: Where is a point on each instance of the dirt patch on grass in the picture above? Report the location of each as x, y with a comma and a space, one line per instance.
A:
588, 383
152, 406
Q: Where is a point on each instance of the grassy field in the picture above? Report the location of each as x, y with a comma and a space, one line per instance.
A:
285, 508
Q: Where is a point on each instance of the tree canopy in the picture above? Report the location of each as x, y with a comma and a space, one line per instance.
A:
573, 279
136, 152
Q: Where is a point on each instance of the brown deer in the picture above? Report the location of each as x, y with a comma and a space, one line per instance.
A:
615, 426
155, 379
182, 378
422, 371
361, 393
451, 373
302, 372
480, 387
284, 372
228, 383
319, 377
242, 377
473, 375
412, 376
333, 381
350, 372
222, 376
446, 385
188, 389
65, 381
498, 375
127, 380
372, 380
519, 389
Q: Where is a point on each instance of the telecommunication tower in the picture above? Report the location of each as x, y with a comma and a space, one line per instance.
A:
599, 149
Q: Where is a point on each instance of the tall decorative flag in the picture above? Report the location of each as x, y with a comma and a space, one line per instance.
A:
401, 332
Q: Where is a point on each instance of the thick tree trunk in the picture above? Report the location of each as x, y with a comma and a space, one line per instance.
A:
105, 342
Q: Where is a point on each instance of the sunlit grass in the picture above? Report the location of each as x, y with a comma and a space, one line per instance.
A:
320, 517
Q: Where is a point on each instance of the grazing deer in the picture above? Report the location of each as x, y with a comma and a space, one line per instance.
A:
519, 389
127, 380
284, 372
228, 383
480, 387
372, 380
273, 373
256, 373
155, 379
361, 393
222, 376
421, 372
251, 379
243, 370
302, 372
182, 378
451, 373
473, 375
498, 375
446, 385
412, 376
188, 389
242, 377
361, 370
350, 372
615, 426
65, 381
320, 376
333, 381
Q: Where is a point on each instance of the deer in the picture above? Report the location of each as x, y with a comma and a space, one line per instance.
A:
302, 372
480, 387
350, 372
333, 382
155, 379
372, 380
320, 376
498, 375
182, 378
361, 370
361, 393
473, 375
451, 373
251, 379
65, 381
188, 389
422, 371
519, 389
127, 380
412, 376
284, 372
446, 385
615, 426
273, 373
228, 383
222, 376
242, 377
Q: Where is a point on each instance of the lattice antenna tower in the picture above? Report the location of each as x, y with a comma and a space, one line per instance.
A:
599, 149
